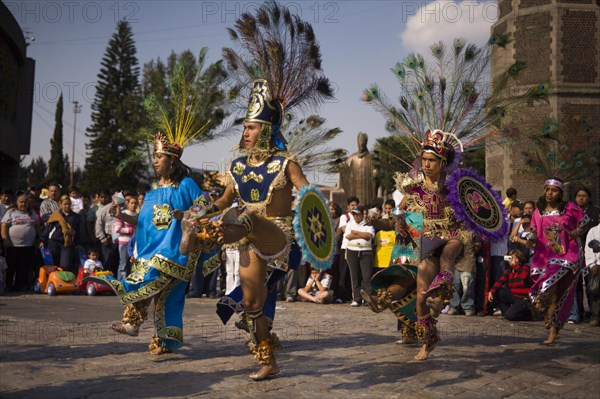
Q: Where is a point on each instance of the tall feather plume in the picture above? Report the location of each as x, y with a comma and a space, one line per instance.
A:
453, 93
177, 117
278, 46
307, 140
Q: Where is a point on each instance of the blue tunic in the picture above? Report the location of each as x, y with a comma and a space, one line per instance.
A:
160, 270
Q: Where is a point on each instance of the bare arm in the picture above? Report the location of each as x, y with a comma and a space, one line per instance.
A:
403, 204
132, 220
383, 224
296, 175
353, 235
5, 238
227, 198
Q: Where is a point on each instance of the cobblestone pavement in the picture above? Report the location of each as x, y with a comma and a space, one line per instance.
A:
61, 347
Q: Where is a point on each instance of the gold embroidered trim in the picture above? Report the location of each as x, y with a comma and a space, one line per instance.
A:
280, 181
162, 330
175, 269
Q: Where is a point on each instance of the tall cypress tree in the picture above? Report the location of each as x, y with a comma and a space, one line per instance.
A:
116, 116
56, 166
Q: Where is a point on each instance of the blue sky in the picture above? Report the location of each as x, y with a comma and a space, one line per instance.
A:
360, 41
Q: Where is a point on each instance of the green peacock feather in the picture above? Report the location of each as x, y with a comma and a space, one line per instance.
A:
453, 93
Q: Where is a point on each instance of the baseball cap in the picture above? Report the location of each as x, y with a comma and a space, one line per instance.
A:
358, 209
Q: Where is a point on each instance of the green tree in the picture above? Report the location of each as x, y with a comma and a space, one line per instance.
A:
34, 174
57, 171
116, 117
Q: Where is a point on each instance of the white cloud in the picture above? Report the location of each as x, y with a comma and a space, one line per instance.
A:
445, 20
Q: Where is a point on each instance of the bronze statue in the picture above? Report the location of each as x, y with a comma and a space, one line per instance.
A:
356, 172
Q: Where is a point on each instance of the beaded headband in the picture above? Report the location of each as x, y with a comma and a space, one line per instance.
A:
554, 182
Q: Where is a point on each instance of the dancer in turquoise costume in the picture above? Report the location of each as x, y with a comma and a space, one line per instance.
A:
160, 271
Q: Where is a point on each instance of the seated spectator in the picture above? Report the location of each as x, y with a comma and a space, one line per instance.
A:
510, 292
317, 288
519, 234
92, 264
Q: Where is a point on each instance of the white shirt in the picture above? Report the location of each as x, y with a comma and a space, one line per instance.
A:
397, 197
592, 258
91, 265
76, 204
343, 222
325, 282
359, 244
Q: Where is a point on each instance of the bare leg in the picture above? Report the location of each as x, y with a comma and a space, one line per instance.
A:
252, 277
551, 308
398, 289
265, 235
305, 295
428, 269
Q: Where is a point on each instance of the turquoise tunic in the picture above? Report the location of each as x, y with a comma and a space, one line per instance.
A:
159, 269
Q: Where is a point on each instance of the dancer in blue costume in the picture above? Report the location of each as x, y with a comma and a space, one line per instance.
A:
283, 60
262, 180
160, 271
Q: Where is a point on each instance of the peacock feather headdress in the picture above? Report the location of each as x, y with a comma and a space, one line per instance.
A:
278, 59
568, 149
453, 94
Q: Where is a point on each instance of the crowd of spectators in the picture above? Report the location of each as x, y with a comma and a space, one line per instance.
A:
489, 279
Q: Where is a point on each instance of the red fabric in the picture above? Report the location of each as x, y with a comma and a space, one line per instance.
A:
517, 280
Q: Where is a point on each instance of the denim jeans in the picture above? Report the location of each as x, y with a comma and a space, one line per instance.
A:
464, 291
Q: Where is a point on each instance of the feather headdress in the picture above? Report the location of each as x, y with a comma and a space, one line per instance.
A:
568, 149
177, 118
453, 94
280, 49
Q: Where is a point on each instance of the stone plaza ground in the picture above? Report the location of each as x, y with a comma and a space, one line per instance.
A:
62, 347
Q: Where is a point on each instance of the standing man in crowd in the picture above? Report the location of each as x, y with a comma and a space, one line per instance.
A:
50, 204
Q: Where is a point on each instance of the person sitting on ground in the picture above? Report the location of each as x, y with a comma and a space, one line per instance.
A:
92, 264
317, 288
510, 292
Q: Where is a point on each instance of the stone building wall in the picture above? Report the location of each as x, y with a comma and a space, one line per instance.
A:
558, 40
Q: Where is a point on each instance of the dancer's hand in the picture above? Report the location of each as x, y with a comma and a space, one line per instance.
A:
490, 296
177, 214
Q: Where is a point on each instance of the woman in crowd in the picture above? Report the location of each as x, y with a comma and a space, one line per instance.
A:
555, 225
20, 229
61, 235
124, 231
